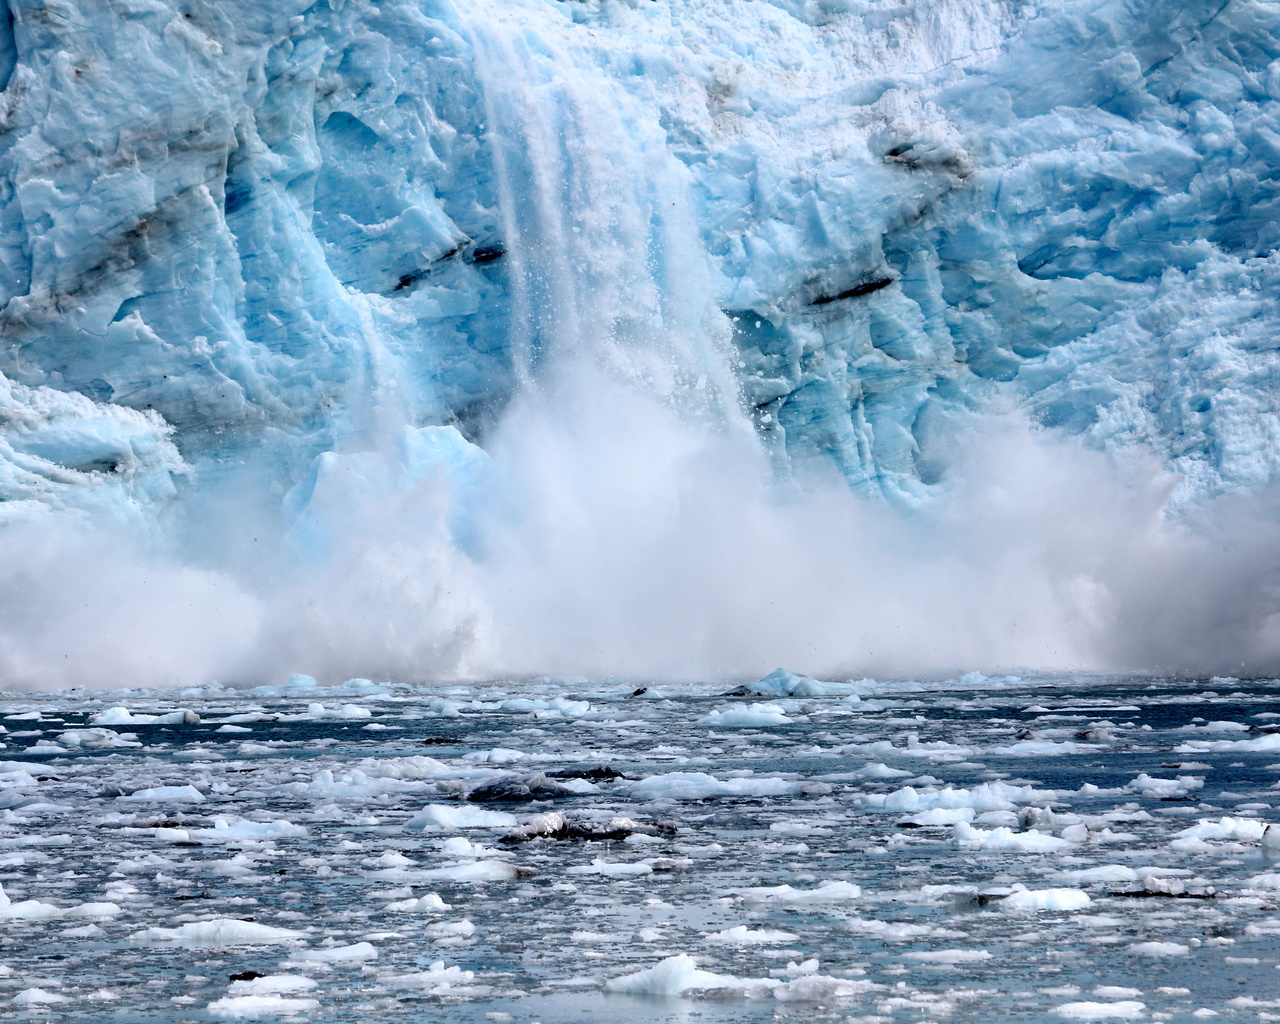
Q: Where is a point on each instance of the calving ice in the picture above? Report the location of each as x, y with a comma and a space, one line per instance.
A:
659, 340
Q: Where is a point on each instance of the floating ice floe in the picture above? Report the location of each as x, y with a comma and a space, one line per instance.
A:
1160, 948
427, 904
1045, 899
680, 975
987, 796
97, 739
35, 910
261, 1006
271, 995
751, 715
439, 980
1246, 829
38, 997
611, 869
226, 831
1124, 1009
460, 816
949, 956
827, 892
1102, 873
490, 870
180, 794
356, 952
343, 711
1006, 840
352, 785
784, 682
701, 786
217, 933
741, 935
123, 716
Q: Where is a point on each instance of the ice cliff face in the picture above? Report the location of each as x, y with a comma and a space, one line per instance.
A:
251, 221
270, 249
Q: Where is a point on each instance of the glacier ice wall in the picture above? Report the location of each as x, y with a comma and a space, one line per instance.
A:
525, 335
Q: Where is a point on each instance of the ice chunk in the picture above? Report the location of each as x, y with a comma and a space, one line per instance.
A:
1005, 840
37, 997
752, 715
949, 956
1248, 829
701, 786
261, 1006
123, 716
438, 980
610, 869
1160, 948
1125, 1009
428, 904
97, 739
1102, 873
183, 794
460, 816
1045, 899
320, 712
225, 831
741, 935
473, 871
828, 892
272, 984
35, 910
358, 951
463, 929
678, 974
217, 933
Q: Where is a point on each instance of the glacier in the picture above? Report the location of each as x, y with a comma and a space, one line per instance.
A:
653, 338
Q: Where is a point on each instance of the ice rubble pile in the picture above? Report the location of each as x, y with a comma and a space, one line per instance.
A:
223, 228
